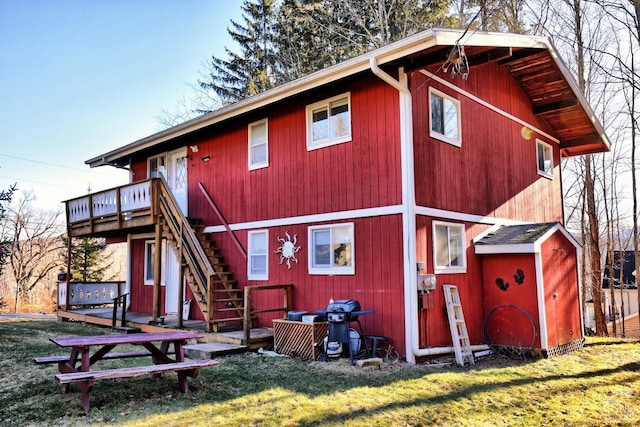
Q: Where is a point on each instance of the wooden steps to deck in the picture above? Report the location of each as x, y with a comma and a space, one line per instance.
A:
227, 300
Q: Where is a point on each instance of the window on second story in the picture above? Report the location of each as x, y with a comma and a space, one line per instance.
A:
157, 166
331, 249
257, 257
444, 121
329, 122
258, 145
449, 249
544, 154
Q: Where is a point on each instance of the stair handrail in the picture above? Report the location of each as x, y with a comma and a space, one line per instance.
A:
224, 222
192, 250
248, 312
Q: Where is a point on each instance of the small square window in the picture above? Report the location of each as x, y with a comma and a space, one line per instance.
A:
444, 120
449, 249
157, 167
258, 145
329, 122
258, 255
331, 249
544, 155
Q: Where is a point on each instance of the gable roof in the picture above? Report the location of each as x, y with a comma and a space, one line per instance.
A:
532, 61
521, 238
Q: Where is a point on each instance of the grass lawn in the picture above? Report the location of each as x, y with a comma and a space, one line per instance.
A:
597, 386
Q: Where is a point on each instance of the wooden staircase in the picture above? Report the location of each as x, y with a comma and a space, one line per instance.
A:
215, 291
227, 300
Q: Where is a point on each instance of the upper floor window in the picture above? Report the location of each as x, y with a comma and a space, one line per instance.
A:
258, 145
331, 249
449, 250
157, 166
444, 121
544, 154
257, 257
329, 122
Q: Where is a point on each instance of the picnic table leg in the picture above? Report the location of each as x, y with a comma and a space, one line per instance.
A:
183, 385
85, 388
68, 367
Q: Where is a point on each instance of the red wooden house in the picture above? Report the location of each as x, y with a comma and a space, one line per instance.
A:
343, 183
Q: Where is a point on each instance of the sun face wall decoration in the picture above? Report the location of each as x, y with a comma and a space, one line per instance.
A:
288, 249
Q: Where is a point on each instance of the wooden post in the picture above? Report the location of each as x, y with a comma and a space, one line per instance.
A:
181, 289
157, 271
247, 316
68, 281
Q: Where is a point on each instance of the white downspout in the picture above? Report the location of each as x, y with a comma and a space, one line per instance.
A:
412, 348
408, 205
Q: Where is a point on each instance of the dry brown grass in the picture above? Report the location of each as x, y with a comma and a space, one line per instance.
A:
597, 386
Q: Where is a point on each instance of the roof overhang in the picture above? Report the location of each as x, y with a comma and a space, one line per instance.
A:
525, 57
485, 244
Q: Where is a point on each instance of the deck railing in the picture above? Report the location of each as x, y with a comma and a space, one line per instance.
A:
126, 206
249, 313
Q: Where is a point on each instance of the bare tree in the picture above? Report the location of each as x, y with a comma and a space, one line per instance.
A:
36, 247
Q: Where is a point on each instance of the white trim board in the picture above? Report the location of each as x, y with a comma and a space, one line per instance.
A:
364, 213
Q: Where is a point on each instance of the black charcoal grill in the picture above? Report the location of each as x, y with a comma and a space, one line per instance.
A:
340, 314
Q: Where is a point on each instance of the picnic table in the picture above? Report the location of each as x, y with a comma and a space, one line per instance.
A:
76, 368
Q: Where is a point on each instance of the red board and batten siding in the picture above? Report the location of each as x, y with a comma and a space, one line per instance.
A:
141, 294
377, 284
362, 173
561, 293
515, 313
494, 173
432, 319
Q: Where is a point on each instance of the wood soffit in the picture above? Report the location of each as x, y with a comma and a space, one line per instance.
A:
551, 94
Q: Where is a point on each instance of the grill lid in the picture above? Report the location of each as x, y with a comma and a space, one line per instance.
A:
344, 305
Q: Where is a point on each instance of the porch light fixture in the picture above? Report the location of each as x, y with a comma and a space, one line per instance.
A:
206, 158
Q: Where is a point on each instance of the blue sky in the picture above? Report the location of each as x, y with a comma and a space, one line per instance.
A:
81, 77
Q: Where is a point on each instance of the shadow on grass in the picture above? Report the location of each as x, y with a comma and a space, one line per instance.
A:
235, 378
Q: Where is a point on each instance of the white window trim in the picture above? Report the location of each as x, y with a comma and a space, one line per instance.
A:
438, 135
331, 270
254, 166
157, 157
251, 276
314, 145
449, 269
147, 243
543, 173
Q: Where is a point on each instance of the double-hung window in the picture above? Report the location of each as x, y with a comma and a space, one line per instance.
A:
258, 258
444, 120
331, 249
329, 122
449, 249
544, 154
258, 145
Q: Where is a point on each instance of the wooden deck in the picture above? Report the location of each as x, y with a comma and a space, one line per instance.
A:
260, 337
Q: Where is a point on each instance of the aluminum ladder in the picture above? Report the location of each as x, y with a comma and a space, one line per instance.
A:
461, 343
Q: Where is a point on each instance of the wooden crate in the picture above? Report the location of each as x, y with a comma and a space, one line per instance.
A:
299, 339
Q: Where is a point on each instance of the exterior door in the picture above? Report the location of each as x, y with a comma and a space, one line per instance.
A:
176, 177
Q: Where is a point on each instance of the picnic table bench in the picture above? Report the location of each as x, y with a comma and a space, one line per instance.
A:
76, 368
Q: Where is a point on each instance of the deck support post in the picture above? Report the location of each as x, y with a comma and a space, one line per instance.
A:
157, 271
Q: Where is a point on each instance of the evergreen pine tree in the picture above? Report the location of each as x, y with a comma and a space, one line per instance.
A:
252, 70
89, 259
